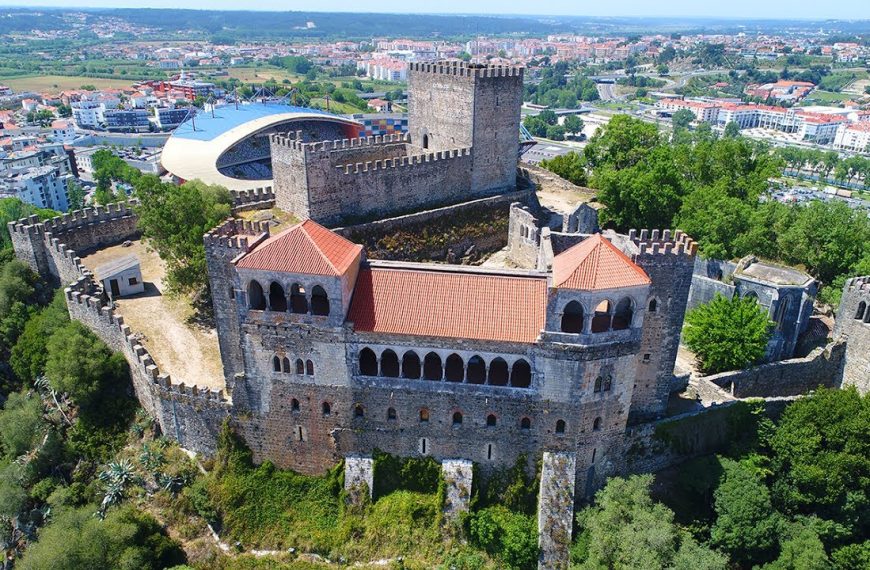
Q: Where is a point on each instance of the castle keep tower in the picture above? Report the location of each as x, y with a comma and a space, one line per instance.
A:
457, 104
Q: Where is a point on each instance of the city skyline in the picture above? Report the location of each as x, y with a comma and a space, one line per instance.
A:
738, 9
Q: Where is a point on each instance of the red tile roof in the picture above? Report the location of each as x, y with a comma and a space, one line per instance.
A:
595, 264
445, 304
307, 247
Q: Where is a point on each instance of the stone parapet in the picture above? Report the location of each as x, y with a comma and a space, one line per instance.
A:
556, 509
458, 475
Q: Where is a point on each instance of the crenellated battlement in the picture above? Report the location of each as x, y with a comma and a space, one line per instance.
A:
663, 242
236, 234
403, 161
84, 299
858, 285
293, 141
465, 69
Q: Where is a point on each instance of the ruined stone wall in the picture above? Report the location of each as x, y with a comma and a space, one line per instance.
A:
253, 199
853, 327
822, 367
668, 260
523, 236
556, 510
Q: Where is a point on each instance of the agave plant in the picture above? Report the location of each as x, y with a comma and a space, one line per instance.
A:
152, 457
117, 476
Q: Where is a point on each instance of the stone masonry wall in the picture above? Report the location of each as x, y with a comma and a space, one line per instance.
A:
556, 510
853, 327
794, 377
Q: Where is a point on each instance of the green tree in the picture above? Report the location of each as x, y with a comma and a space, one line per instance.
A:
127, 538
732, 130
573, 124
30, 353
75, 194
626, 529
556, 132
682, 119
21, 424
746, 524
622, 143
727, 334
510, 536
12, 209
800, 549
535, 126
548, 117
571, 167
174, 219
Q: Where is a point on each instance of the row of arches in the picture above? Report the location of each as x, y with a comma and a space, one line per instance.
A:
456, 419
606, 316
298, 301
862, 313
282, 365
497, 372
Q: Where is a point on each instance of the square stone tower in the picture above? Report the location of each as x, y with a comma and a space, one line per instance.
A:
456, 104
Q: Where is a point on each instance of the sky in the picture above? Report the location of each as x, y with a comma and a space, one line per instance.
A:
748, 9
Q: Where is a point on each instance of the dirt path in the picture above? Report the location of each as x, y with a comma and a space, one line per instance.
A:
187, 352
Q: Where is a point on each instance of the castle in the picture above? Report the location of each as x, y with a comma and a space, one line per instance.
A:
328, 355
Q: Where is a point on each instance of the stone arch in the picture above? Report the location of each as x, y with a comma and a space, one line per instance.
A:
572, 318
596, 425
294, 405
457, 418
491, 420
391, 414
750, 295
326, 408
521, 374
599, 382
526, 424
411, 365
319, 301
455, 369
256, 299
359, 411
276, 363
498, 372
300, 366
622, 314
277, 299
424, 415
425, 140
285, 365
653, 306
432, 368
309, 367
560, 426
389, 364
859, 314
601, 317
368, 362
476, 371
298, 301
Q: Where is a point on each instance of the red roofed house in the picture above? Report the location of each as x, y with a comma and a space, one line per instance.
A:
341, 355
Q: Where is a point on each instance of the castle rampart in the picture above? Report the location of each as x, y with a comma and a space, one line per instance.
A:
853, 326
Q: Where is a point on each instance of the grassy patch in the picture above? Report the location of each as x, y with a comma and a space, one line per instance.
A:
58, 83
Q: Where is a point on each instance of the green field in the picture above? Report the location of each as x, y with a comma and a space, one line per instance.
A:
828, 97
58, 83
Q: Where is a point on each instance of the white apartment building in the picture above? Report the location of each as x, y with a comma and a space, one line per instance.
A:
853, 137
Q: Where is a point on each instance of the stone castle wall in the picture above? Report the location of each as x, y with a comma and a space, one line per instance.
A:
853, 327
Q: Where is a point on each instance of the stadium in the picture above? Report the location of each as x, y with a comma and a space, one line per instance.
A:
230, 144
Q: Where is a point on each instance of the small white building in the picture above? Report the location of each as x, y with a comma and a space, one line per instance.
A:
121, 277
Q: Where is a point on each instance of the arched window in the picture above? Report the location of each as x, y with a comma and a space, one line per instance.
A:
277, 300
300, 366
751, 295
391, 414
601, 318
491, 420
476, 373
424, 415
859, 314
294, 405
781, 312
325, 408
285, 365
525, 424
358, 411
521, 374
572, 318
599, 382
622, 314
455, 368
653, 305
560, 426
411, 365
309, 368
232, 292
389, 364
319, 301
457, 418
368, 362
298, 302
276, 364
426, 141
596, 425
498, 372
432, 369
256, 300
608, 381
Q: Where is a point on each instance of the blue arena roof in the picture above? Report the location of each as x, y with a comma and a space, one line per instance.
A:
228, 117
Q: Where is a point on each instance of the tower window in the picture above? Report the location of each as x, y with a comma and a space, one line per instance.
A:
294, 405
457, 418
491, 420
596, 425
391, 414
560, 426
309, 368
300, 366
424, 415
326, 408
358, 411
526, 424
